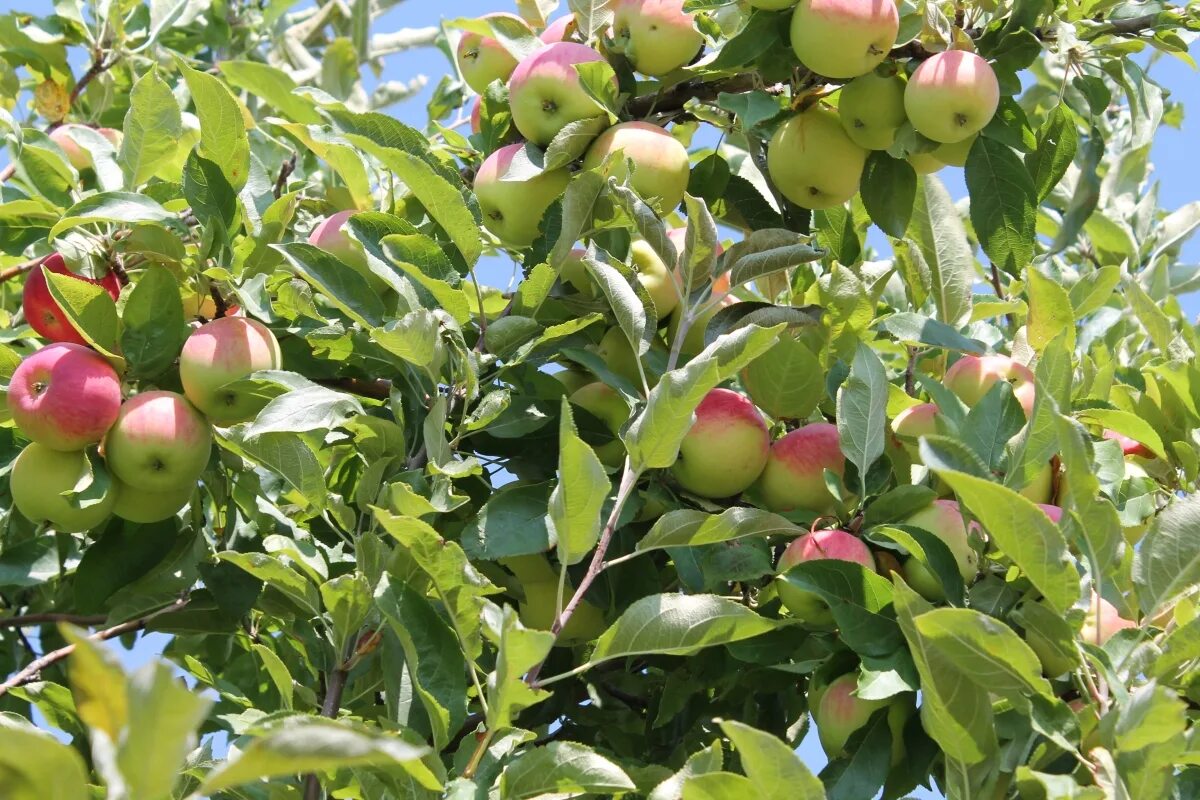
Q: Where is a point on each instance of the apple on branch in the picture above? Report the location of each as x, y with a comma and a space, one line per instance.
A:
64, 396
657, 36
840, 545
513, 209
844, 38
482, 59
951, 96
944, 519
42, 311
219, 353
813, 162
660, 162
159, 443
794, 477
545, 93
726, 448
40, 482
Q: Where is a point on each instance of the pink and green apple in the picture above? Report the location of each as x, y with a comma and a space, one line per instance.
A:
660, 163
159, 443
813, 162
794, 477
944, 519
545, 94
841, 713
655, 276
39, 480
971, 377
64, 396
219, 353
560, 30
726, 448
332, 235
951, 96
657, 36
844, 38
513, 210
42, 311
838, 545
482, 59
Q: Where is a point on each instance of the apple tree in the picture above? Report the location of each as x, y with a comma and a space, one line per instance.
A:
766, 433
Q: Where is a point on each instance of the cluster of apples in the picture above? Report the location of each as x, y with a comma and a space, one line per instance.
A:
67, 399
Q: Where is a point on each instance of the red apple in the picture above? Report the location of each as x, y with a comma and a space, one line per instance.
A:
64, 396
807, 606
159, 443
219, 353
726, 448
560, 30
44, 314
794, 476
476, 114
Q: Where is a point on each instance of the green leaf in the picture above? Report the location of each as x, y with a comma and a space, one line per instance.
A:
154, 326
573, 516
570, 143
309, 408
858, 598
285, 454
278, 673
862, 412
36, 766
991, 423
153, 127
213, 200
272, 571
1128, 424
690, 528
564, 769
347, 598
719, 786
633, 317
345, 288
766, 252
520, 649
120, 208
930, 551
1167, 562
918, 329
889, 189
422, 260
1003, 204
223, 138
511, 523
97, 684
775, 768
834, 229
1058, 140
1050, 313
706, 761
90, 310
865, 771
272, 85
938, 231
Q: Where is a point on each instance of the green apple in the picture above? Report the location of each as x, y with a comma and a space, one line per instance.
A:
971, 377
138, 505
726, 448
951, 96
844, 38
38, 480
660, 162
575, 274
539, 582
618, 355
924, 163
944, 519
482, 59
657, 36
544, 92
841, 713
513, 209
1041, 489
605, 403
655, 276
794, 478
219, 353
871, 109
159, 443
573, 378
955, 154
813, 162
807, 606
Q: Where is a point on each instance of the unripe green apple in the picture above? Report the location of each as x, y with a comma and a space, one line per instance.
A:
575, 274
813, 162
955, 154
159, 443
660, 163
138, 505
539, 582
38, 480
219, 353
605, 403
1041, 489
513, 210
655, 35
951, 96
618, 355
544, 92
64, 396
914, 422
693, 341
656, 276
80, 158
971, 377
1053, 662
924, 163
726, 448
844, 38
839, 545
871, 109
482, 59
944, 519
573, 379
841, 713
794, 477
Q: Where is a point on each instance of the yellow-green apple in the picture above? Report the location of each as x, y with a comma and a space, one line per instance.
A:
332, 235
872, 109
841, 713
1129, 446
837, 545
476, 114
539, 584
844, 38
618, 355
219, 353
138, 505
605, 404
1102, 621
813, 162
573, 378
1041, 489
80, 158
513, 210
560, 30
39, 480
951, 96
955, 153
794, 477
660, 161
971, 377
924, 163
64, 396
1054, 661
482, 59
159, 443
545, 94
655, 276
42, 311
575, 274
914, 422
944, 519
657, 36
726, 448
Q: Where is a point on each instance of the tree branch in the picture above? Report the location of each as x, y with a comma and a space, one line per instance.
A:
329, 708
378, 389
20, 269
31, 620
99, 67
285, 171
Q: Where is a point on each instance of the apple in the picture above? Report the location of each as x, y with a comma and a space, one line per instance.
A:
914, 422
138, 505
951, 96
955, 153
841, 713
605, 403
40, 476
1053, 512
332, 235
924, 163
971, 377
575, 274
159, 443
618, 355
221, 352
794, 477
1041, 489
64, 396
573, 378
844, 38
1054, 663
513, 210
43, 313
1129, 446
1102, 621
771, 5
660, 162
655, 276
726, 448
806, 606
813, 162
944, 519
560, 30
545, 94
871, 109
539, 583
64, 137
482, 59
657, 36
476, 114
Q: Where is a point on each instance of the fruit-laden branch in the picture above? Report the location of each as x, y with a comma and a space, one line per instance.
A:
31, 620
36, 666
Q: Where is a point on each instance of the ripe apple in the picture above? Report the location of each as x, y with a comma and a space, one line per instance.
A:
914, 422
513, 210
813, 162
971, 377
138, 505
64, 396
482, 59
159, 443
871, 109
64, 137
839, 545
794, 477
951, 96
560, 30
1130, 447
476, 114
924, 163
943, 519
539, 582
603, 402
655, 35
43, 313
545, 94
218, 353
841, 713
1102, 621
39, 478
332, 236
955, 154
844, 38
726, 448
656, 276
660, 162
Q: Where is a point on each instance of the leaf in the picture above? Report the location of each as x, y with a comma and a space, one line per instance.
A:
121, 208
888, 189
314, 744
1167, 561
285, 454
562, 768
786, 381
718, 786
97, 684
512, 522
766, 252
347, 598
703, 762
213, 200
570, 143
628, 309
918, 329
154, 326
858, 599
153, 127
273, 86
520, 649
164, 719
90, 310
865, 771
775, 768
862, 412
1128, 424
279, 674
273, 572
1050, 313
36, 766
942, 240
1058, 140
573, 515
223, 138
690, 528
991, 423
310, 408
346, 289
1003, 204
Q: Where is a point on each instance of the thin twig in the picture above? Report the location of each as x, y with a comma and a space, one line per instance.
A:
285, 171
98, 67
21, 269
329, 708
378, 389
32, 620
910, 388
219, 300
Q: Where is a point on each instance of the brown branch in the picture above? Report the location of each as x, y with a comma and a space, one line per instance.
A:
99, 66
219, 300
31, 620
20, 269
31, 671
910, 388
285, 171
329, 708
378, 389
